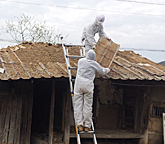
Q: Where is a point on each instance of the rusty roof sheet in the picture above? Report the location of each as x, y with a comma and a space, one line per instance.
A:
37, 60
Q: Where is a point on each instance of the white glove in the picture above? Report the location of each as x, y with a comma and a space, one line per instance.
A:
108, 70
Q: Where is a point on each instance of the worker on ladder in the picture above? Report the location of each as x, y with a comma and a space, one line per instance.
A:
83, 90
90, 31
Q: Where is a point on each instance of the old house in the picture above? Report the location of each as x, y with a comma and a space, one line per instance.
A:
35, 102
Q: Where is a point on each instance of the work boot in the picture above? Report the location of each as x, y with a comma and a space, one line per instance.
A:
80, 128
87, 129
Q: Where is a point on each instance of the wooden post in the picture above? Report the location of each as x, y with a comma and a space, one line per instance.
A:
144, 140
51, 118
67, 117
7, 120
136, 112
30, 99
18, 120
145, 117
13, 119
2, 115
24, 120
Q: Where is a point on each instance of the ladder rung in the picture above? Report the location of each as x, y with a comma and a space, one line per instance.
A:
72, 68
72, 56
69, 45
73, 80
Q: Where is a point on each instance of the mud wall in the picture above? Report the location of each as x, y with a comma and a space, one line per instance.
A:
155, 126
109, 99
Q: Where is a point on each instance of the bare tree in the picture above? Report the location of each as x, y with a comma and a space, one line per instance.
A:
27, 29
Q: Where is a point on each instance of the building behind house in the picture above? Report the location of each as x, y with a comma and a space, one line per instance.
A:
35, 102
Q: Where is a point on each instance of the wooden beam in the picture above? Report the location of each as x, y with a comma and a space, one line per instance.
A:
144, 140
67, 117
18, 120
13, 119
136, 111
145, 116
24, 118
51, 118
7, 120
2, 115
30, 100
110, 136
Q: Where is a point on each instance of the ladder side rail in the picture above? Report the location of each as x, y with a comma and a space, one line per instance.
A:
71, 84
77, 134
83, 51
94, 136
71, 87
80, 52
69, 73
83, 47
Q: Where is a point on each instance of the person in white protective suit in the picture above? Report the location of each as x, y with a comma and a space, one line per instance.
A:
90, 31
83, 90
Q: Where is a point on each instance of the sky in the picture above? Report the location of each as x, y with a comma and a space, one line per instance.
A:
137, 25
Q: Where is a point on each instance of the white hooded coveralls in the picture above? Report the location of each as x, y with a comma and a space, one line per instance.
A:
84, 86
89, 34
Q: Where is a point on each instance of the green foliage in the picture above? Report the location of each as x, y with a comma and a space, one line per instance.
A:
27, 29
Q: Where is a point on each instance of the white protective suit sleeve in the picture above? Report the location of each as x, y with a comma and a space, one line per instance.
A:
101, 32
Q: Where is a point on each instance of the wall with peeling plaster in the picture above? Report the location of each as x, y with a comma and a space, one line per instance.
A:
155, 126
109, 99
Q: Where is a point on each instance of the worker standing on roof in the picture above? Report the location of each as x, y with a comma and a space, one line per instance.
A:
90, 31
83, 91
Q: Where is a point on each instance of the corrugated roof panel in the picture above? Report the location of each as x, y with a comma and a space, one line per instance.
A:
134, 74
53, 70
119, 74
35, 73
36, 60
41, 71
62, 68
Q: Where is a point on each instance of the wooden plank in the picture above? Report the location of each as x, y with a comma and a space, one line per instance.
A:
106, 51
24, 116
67, 117
51, 118
63, 113
29, 115
145, 114
136, 113
3, 114
1, 98
18, 114
7, 120
12, 120
109, 136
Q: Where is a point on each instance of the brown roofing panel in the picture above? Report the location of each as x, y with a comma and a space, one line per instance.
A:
36, 60
106, 52
53, 70
61, 69
11, 68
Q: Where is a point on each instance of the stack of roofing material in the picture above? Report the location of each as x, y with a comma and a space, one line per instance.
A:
106, 51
